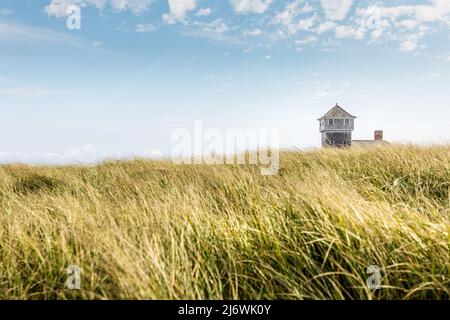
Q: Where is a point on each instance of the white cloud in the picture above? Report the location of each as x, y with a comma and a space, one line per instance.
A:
247, 6
404, 25
58, 8
326, 26
307, 40
330, 89
122, 27
330, 43
4, 11
135, 6
349, 32
178, 10
376, 34
216, 26
29, 92
294, 17
290, 12
438, 10
253, 33
202, 12
215, 30
76, 152
408, 45
152, 153
145, 27
85, 154
306, 24
12, 32
408, 24
336, 9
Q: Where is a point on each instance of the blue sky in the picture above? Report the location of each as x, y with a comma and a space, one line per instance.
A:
138, 69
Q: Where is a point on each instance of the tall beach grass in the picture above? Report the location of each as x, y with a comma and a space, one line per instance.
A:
155, 230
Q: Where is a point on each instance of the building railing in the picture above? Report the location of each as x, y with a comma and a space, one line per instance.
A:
337, 127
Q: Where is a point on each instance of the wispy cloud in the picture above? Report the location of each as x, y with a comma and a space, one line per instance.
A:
84, 154
203, 12
373, 21
30, 92
253, 32
336, 9
178, 10
19, 33
308, 40
145, 27
216, 30
58, 8
5, 11
251, 6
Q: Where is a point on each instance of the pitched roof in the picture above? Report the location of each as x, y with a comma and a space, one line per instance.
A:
337, 112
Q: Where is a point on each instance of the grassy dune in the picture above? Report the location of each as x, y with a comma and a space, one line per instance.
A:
156, 230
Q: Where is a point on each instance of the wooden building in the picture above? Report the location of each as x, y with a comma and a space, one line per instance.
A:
337, 126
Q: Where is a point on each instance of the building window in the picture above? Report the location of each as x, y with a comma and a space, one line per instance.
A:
347, 122
330, 122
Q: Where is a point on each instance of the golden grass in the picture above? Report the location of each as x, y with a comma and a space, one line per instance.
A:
155, 230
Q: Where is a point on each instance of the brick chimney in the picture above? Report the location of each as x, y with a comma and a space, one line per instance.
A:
379, 135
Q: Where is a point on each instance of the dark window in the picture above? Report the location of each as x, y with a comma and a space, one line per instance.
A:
347, 122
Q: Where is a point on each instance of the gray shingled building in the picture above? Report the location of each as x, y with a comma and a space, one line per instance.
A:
337, 126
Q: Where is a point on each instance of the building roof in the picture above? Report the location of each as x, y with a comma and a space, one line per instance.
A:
337, 112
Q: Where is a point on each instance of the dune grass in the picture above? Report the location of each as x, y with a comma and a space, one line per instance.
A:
155, 230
